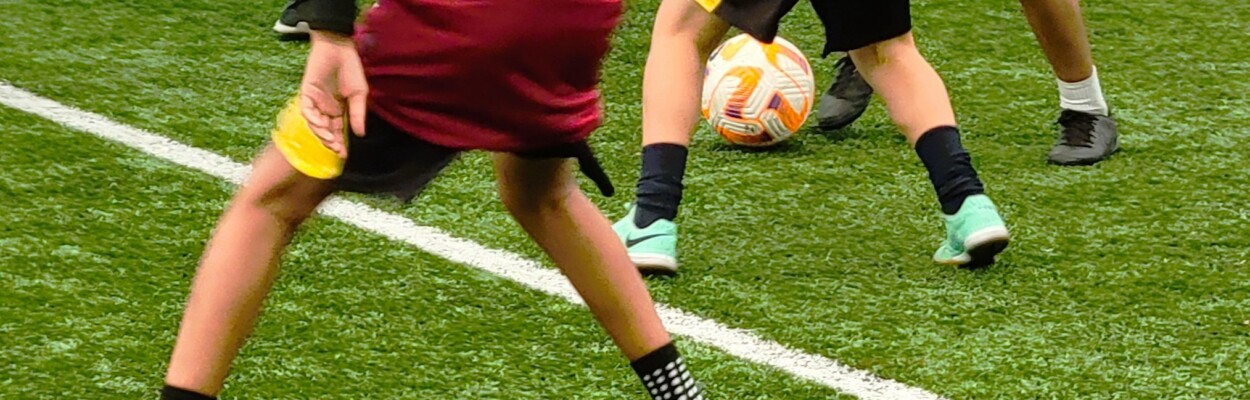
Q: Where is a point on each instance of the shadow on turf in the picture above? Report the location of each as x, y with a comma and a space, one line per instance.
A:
813, 135
789, 146
852, 133
660, 276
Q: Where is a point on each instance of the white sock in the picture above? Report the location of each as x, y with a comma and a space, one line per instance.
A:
1083, 96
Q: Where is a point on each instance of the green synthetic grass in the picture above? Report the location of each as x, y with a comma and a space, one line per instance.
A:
99, 245
1126, 280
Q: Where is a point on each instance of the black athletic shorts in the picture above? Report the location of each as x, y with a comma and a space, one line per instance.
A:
389, 161
849, 24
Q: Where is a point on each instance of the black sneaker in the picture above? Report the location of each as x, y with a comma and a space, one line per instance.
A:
1084, 139
846, 99
290, 26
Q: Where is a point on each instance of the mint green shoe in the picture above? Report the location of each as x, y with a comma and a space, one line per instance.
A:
652, 249
974, 235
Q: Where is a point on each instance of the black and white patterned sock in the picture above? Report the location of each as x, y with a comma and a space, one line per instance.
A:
664, 373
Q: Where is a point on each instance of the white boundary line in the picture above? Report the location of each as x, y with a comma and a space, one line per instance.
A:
738, 342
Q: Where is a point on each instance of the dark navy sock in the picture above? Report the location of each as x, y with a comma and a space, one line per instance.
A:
659, 186
177, 393
950, 167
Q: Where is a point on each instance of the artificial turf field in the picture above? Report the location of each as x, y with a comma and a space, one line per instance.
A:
1124, 280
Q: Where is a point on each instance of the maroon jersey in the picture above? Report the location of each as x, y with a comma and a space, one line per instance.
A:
498, 75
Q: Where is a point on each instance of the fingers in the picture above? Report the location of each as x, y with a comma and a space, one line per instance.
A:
324, 116
356, 111
356, 90
333, 92
309, 107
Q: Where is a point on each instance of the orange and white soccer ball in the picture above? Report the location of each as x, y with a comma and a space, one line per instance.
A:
757, 94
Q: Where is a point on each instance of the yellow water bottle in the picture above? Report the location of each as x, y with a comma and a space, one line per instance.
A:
301, 147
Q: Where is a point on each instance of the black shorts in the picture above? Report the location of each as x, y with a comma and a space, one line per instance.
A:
849, 24
389, 161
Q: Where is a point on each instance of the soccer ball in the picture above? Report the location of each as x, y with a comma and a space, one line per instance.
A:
757, 94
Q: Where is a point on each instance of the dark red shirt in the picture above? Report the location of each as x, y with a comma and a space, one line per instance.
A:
498, 75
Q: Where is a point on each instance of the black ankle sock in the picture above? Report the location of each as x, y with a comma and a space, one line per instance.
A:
659, 186
950, 167
664, 373
176, 393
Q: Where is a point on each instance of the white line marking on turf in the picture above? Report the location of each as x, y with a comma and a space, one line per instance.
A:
737, 342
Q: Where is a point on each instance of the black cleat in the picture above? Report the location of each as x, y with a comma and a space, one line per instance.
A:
290, 27
1084, 139
847, 98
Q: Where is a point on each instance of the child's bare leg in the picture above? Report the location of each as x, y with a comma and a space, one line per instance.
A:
912, 90
545, 200
1088, 134
917, 101
1060, 30
683, 37
238, 269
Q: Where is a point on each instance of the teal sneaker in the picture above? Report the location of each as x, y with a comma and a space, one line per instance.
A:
652, 249
974, 235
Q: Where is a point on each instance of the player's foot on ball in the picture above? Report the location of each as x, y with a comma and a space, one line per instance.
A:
652, 249
974, 235
846, 99
1084, 139
290, 26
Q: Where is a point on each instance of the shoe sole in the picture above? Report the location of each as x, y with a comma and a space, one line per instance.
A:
1083, 162
983, 246
654, 264
300, 28
1115, 148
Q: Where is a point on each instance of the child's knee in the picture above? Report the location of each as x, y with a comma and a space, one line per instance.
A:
709, 38
686, 22
535, 200
528, 186
884, 52
286, 201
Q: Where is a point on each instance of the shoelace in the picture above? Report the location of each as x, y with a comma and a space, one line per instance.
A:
1078, 128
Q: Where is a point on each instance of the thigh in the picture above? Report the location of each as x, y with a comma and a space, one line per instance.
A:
280, 189
546, 171
586, 160
527, 181
677, 17
853, 24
